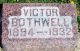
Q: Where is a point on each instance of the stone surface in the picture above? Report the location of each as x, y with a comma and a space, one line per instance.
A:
38, 44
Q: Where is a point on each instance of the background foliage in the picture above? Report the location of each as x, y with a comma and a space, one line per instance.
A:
33, 1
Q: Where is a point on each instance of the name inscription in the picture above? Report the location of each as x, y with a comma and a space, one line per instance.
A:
40, 22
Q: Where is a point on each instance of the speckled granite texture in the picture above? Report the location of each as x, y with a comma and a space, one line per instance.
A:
38, 44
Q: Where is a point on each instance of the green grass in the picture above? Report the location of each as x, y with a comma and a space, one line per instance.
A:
33, 1
78, 20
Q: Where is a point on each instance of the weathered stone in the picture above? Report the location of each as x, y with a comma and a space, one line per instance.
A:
38, 44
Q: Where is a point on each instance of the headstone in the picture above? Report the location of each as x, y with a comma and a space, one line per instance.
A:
39, 27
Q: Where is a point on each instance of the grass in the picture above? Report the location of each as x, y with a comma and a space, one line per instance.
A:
33, 1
